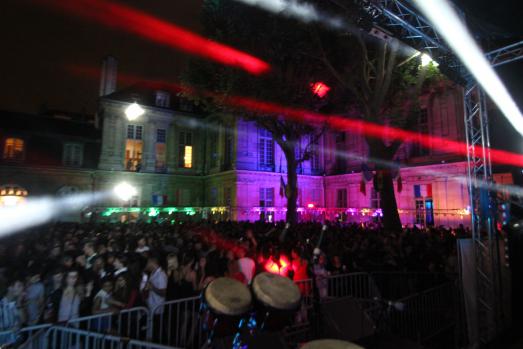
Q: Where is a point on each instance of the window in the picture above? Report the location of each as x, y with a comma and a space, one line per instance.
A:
14, 149
341, 161
134, 148
160, 135
420, 212
315, 154
227, 196
214, 149
375, 199
185, 150
163, 99
341, 198
316, 197
444, 118
214, 196
73, 154
423, 129
266, 197
134, 131
266, 149
227, 160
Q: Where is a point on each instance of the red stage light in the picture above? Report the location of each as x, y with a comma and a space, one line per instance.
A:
320, 89
152, 28
281, 268
310, 205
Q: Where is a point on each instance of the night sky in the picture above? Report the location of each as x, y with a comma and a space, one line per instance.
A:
39, 44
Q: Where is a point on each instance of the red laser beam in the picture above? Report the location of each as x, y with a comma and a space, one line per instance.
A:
157, 30
336, 122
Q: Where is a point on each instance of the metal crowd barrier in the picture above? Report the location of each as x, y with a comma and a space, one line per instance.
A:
59, 337
128, 323
356, 285
177, 323
424, 315
395, 285
25, 337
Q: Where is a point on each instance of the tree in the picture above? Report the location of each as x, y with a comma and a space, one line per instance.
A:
285, 44
384, 84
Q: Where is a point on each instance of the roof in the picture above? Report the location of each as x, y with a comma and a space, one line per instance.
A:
144, 93
57, 124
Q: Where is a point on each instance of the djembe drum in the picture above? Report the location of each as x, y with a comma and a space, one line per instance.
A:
276, 300
225, 303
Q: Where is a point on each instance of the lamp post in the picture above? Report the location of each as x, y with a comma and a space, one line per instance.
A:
124, 191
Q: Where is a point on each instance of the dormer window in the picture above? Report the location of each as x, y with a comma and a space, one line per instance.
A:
163, 99
14, 149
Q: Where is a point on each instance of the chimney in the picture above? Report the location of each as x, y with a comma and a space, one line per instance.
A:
109, 74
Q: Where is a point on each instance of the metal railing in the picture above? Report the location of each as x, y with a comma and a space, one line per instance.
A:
424, 314
396, 285
128, 323
25, 337
177, 323
357, 285
59, 337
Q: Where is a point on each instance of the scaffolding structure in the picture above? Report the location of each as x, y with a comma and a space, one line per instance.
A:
402, 19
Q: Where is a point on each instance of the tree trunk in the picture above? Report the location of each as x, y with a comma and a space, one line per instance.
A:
389, 207
292, 185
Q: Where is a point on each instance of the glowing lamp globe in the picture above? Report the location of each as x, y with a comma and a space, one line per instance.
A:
124, 191
426, 60
134, 111
320, 89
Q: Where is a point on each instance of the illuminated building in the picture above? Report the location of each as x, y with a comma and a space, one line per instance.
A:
188, 165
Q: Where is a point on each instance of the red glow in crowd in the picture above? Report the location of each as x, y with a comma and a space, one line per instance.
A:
152, 28
280, 266
320, 89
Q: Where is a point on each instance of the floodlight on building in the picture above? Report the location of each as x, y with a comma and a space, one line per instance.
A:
125, 191
426, 60
134, 111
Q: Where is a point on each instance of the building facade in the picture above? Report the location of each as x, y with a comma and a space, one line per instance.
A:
188, 165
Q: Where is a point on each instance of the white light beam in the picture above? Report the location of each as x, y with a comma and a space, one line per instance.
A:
448, 24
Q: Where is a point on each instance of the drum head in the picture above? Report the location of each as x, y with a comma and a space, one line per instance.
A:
276, 291
330, 344
228, 296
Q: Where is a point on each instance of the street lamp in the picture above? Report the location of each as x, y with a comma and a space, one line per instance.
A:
134, 111
426, 60
124, 191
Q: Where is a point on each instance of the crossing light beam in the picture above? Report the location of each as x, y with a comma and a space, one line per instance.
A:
449, 25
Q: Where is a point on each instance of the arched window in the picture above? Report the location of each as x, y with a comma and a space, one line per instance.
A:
13, 149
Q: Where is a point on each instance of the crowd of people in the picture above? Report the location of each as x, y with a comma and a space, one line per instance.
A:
59, 272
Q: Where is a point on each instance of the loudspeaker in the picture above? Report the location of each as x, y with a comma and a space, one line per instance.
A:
344, 319
266, 340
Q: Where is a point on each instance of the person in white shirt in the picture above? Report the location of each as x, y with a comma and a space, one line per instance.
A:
142, 246
155, 285
247, 265
154, 288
